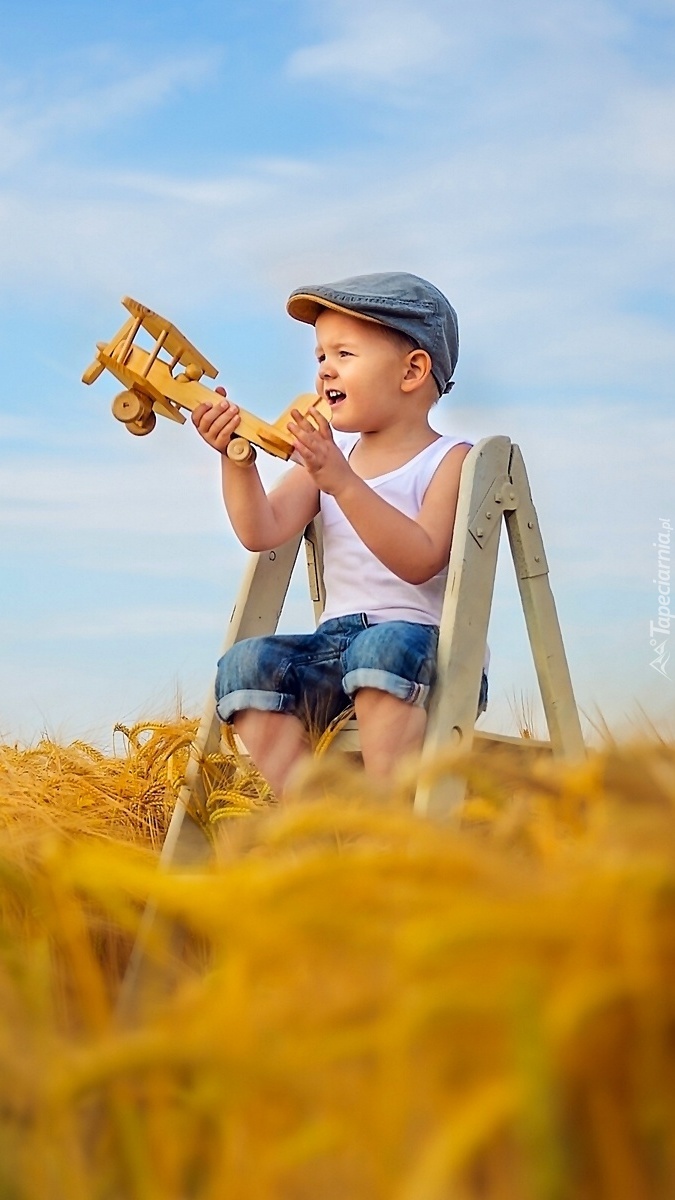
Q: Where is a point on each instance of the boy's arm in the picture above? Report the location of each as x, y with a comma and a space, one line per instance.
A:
261, 522
414, 549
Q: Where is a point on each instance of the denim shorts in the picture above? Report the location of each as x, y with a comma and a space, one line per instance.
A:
314, 676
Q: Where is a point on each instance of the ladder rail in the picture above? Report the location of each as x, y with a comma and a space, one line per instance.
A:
464, 624
256, 612
541, 619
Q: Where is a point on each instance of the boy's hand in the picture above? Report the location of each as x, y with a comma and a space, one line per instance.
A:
320, 456
216, 422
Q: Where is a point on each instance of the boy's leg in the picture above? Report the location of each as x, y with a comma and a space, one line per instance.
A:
389, 670
389, 730
263, 682
277, 743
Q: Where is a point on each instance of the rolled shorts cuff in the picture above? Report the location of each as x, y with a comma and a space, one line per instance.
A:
416, 694
245, 698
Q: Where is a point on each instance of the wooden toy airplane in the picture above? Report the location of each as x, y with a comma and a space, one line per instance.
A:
151, 386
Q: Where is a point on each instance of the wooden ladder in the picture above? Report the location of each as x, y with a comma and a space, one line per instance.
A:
494, 489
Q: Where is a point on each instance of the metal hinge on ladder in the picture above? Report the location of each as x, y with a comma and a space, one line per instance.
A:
503, 498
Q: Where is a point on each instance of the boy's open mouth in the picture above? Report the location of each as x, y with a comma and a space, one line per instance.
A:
334, 397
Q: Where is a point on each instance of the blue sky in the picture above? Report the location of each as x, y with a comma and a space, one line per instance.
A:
208, 158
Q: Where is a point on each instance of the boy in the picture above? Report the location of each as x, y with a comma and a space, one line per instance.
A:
386, 485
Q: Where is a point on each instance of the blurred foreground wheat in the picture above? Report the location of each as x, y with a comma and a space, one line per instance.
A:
350, 1002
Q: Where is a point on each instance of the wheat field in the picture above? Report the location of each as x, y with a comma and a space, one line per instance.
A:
346, 1001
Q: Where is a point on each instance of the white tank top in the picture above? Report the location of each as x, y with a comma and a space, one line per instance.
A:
355, 580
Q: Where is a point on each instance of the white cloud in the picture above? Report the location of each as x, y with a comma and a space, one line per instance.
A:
394, 41
544, 243
50, 492
135, 621
78, 104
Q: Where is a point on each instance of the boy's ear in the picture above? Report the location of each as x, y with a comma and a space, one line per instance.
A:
417, 370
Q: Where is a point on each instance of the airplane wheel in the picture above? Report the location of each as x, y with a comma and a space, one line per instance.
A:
145, 425
240, 451
129, 406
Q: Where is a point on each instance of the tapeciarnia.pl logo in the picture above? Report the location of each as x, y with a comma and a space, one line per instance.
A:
659, 631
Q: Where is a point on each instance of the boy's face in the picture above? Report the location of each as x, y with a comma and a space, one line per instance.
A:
360, 371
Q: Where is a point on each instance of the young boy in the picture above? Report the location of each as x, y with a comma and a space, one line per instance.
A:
386, 485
